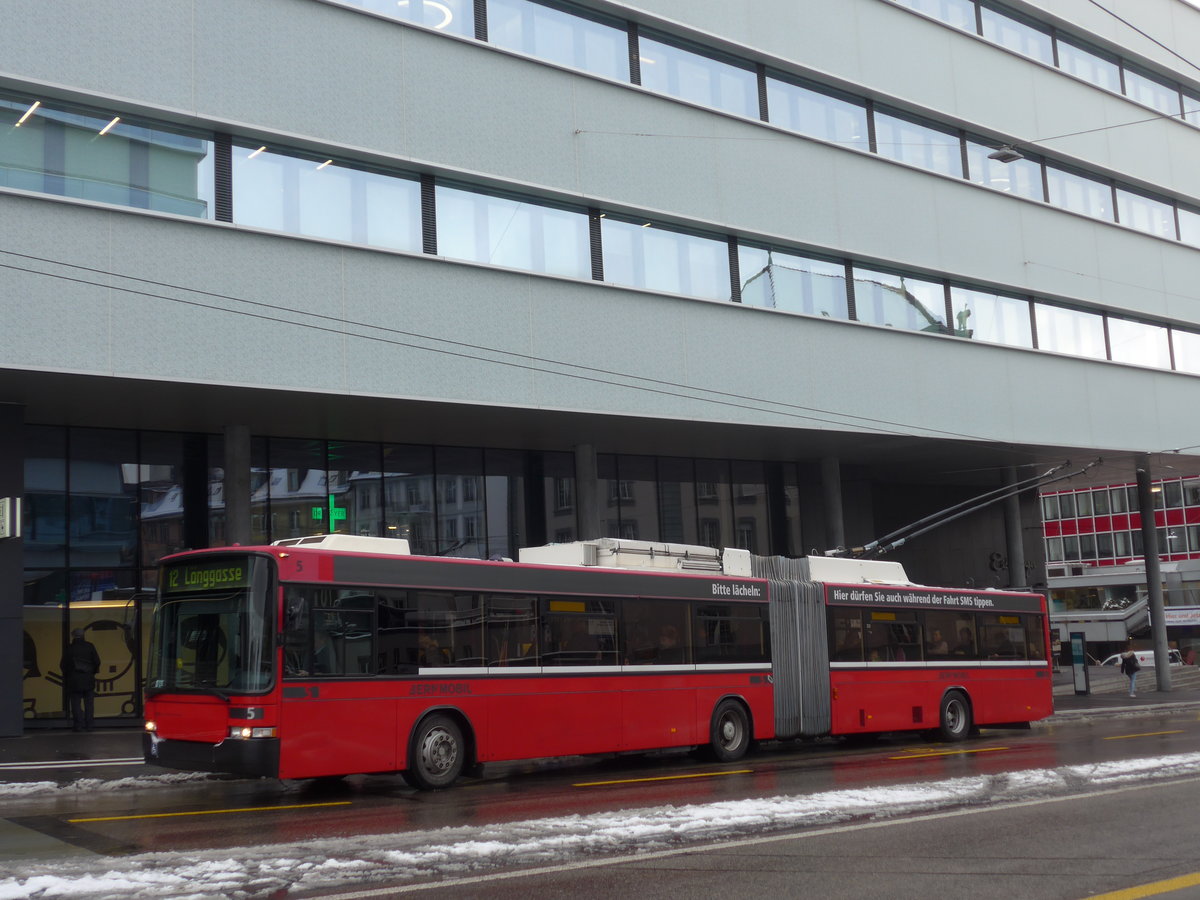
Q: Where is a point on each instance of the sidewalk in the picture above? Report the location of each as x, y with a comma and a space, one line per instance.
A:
1110, 692
116, 752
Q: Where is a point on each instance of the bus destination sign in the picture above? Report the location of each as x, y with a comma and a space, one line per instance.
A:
930, 598
222, 574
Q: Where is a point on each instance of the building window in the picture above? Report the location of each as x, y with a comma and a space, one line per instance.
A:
564, 493
692, 75
642, 255
54, 149
1152, 92
959, 13
984, 316
787, 281
1023, 37
620, 490
450, 16
1156, 217
918, 145
1091, 65
1079, 193
1139, 343
1070, 331
899, 301
1186, 345
1021, 177
817, 113
558, 36
501, 231
320, 198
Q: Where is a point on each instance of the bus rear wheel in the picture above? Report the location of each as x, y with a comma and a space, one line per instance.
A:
437, 754
954, 719
729, 732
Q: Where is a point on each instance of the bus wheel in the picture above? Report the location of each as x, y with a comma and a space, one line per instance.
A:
729, 733
437, 754
954, 721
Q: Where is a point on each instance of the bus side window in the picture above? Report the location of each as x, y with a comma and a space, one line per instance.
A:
295, 635
395, 648
941, 634
511, 631
846, 635
1035, 636
964, 645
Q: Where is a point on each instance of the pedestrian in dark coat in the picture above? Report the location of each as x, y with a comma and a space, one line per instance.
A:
80, 664
1130, 667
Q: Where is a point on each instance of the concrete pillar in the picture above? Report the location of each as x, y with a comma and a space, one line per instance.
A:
831, 491
12, 584
586, 489
237, 484
1014, 532
1158, 624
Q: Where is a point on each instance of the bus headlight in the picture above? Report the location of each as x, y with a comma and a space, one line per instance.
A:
151, 726
245, 732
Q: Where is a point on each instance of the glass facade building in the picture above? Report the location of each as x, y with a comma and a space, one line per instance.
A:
497, 273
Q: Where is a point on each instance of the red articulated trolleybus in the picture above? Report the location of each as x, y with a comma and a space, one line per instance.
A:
333, 655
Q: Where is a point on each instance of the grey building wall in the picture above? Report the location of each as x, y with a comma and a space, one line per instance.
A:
341, 322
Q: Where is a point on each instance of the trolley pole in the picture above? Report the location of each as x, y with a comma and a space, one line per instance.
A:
1158, 622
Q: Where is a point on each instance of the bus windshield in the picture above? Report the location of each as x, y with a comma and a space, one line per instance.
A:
213, 627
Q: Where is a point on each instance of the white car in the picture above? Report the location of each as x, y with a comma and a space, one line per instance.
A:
1146, 658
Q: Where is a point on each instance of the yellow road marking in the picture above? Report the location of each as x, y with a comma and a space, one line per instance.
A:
210, 812
1150, 890
928, 754
662, 778
1121, 737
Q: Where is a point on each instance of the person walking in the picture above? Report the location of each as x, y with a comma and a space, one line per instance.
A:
80, 664
1130, 667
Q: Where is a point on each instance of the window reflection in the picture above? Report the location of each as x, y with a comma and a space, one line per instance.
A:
777, 280
1139, 343
319, 198
669, 69
505, 232
408, 496
1189, 226
450, 16
1089, 65
1079, 193
1070, 331
1191, 108
1022, 37
991, 317
1022, 177
103, 500
1186, 345
899, 301
918, 145
52, 150
817, 114
959, 13
1146, 214
1152, 92
566, 38
651, 257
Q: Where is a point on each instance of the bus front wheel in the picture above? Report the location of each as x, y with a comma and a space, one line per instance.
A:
437, 754
954, 720
729, 733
